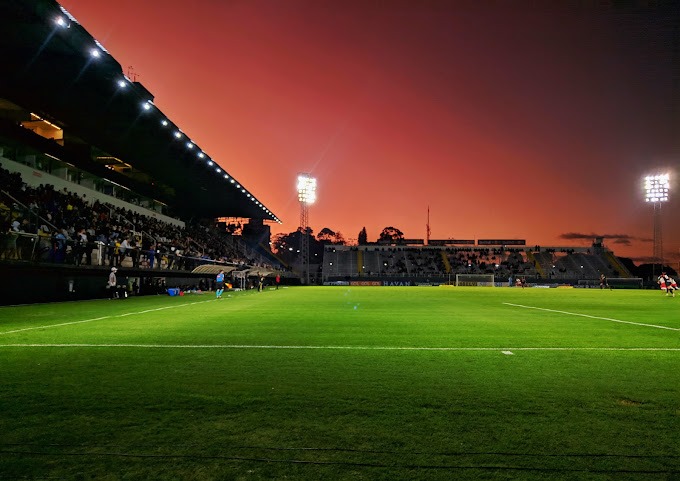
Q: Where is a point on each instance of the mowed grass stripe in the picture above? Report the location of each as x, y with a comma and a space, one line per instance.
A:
342, 348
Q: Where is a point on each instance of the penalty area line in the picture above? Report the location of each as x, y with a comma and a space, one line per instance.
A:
101, 318
592, 317
504, 350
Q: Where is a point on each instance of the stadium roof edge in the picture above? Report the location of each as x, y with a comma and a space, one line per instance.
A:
54, 67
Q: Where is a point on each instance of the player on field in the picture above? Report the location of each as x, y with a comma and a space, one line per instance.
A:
603, 282
219, 284
667, 284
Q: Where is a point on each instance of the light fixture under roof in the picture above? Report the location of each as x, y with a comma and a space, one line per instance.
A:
164, 123
178, 134
68, 15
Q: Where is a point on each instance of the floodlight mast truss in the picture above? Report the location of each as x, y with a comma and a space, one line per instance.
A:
306, 186
657, 188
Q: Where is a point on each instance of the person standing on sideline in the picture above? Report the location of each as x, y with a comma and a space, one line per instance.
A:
113, 284
278, 280
261, 284
219, 284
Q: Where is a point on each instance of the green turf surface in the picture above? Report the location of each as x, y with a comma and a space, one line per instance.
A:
344, 383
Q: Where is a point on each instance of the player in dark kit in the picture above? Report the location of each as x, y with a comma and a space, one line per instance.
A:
667, 284
603, 282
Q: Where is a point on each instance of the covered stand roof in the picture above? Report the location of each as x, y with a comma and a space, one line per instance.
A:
54, 68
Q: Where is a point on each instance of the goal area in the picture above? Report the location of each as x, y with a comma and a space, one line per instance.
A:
483, 280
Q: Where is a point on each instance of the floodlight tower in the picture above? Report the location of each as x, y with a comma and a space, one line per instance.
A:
656, 191
306, 187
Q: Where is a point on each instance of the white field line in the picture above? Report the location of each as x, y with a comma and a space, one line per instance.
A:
346, 348
593, 317
100, 318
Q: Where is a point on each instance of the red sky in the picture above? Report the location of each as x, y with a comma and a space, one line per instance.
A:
526, 123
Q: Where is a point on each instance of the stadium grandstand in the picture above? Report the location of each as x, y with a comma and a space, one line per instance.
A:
94, 175
503, 261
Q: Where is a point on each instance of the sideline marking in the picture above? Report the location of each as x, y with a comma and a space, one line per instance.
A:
100, 318
593, 317
348, 348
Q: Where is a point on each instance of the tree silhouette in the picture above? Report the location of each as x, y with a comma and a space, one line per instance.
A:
391, 234
363, 237
327, 236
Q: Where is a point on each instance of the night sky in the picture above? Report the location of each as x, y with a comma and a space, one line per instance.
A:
534, 123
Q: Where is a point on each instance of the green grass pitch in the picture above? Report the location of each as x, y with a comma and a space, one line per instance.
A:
426, 383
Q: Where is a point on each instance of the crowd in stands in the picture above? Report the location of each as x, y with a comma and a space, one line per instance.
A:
441, 262
41, 223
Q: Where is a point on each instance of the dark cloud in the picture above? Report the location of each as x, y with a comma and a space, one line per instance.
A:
620, 239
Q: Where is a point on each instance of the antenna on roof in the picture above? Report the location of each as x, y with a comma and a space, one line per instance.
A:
131, 74
427, 242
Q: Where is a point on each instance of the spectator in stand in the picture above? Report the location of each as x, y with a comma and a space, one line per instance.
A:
80, 248
134, 253
160, 250
9, 244
151, 256
123, 249
58, 253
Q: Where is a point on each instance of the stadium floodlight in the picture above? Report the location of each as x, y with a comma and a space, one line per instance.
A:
657, 188
306, 187
164, 123
122, 84
95, 53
